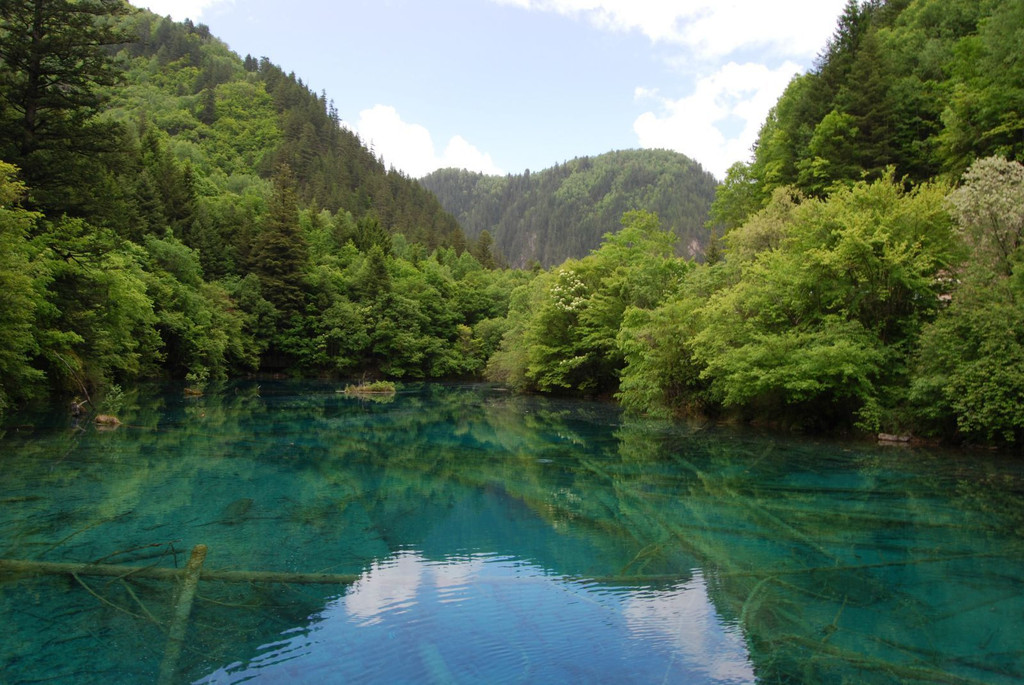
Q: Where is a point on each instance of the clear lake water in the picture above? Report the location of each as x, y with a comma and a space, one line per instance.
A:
484, 537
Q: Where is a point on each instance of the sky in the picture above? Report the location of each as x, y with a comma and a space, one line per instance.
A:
501, 86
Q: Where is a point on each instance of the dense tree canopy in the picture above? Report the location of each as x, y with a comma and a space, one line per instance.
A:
922, 86
21, 301
208, 215
969, 367
564, 324
211, 216
867, 277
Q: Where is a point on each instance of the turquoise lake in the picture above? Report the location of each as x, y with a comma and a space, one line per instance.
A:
483, 537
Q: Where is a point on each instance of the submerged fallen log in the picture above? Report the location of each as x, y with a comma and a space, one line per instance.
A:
190, 576
19, 566
182, 610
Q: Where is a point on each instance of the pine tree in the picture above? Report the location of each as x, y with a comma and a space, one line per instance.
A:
280, 253
482, 250
207, 113
53, 66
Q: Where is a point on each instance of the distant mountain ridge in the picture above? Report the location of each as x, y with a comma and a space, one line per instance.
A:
562, 212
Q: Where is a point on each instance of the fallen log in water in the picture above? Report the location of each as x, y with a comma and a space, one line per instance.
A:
182, 610
20, 566
190, 575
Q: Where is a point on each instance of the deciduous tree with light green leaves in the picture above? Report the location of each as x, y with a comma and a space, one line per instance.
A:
564, 333
969, 373
811, 318
822, 326
21, 300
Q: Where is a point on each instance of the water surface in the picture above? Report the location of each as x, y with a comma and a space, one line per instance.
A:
496, 538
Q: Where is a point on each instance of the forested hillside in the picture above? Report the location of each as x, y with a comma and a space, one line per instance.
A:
870, 274
562, 212
168, 208
233, 120
920, 87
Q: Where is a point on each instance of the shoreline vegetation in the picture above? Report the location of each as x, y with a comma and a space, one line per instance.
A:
187, 213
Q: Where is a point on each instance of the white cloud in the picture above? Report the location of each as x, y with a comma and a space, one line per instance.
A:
459, 153
793, 29
714, 42
710, 28
643, 93
696, 125
410, 147
180, 10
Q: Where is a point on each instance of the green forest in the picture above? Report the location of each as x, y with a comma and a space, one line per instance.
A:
169, 209
562, 212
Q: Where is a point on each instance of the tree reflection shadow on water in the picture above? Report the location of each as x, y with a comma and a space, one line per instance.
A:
631, 546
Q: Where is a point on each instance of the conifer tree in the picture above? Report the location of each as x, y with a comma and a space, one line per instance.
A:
53, 66
482, 250
280, 253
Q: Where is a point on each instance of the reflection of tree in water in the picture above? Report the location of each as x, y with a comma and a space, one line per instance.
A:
836, 565
842, 567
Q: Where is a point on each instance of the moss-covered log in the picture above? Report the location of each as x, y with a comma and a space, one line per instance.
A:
23, 567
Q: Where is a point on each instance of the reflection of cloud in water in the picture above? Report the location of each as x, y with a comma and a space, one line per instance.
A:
685, 617
493, 618
389, 586
393, 585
